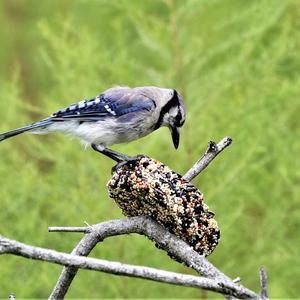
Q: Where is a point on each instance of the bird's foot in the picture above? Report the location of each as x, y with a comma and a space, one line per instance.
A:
131, 160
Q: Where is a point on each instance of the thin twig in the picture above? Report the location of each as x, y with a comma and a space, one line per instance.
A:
212, 151
20, 249
264, 284
69, 229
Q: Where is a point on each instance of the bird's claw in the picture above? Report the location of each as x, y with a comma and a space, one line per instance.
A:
129, 160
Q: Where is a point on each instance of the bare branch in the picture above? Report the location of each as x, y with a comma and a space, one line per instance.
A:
212, 151
174, 246
264, 285
20, 249
69, 229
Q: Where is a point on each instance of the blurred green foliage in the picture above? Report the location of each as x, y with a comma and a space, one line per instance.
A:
237, 64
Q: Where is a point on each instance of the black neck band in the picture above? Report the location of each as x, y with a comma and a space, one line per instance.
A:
173, 102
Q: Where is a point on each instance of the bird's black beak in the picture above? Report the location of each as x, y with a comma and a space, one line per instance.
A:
175, 136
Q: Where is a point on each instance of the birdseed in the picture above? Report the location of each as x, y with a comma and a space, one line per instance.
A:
146, 186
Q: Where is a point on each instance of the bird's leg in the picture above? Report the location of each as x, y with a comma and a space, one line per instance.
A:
116, 156
120, 158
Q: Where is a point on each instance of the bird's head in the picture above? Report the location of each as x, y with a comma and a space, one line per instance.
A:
172, 115
175, 118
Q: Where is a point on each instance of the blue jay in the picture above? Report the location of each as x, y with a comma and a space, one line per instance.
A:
118, 115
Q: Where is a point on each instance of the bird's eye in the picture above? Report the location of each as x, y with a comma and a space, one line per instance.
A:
179, 120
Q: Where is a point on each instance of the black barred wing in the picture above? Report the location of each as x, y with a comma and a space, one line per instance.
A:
90, 110
115, 102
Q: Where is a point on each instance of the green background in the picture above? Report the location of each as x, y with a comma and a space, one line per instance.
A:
237, 64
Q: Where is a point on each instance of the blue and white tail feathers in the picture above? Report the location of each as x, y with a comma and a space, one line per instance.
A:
39, 124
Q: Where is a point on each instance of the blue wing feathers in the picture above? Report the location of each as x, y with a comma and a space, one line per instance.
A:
113, 103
